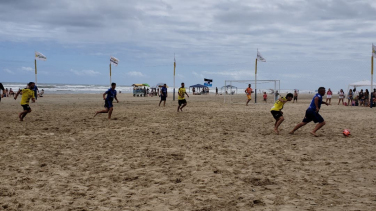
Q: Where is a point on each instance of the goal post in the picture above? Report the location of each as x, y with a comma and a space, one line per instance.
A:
233, 90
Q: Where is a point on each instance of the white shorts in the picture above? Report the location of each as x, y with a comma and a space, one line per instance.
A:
329, 96
341, 97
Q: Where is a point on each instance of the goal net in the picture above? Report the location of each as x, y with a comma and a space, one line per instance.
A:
234, 91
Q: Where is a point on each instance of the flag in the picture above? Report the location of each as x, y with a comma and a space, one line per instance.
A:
174, 65
40, 56
259, 57
374, 50
208, 82
114, 61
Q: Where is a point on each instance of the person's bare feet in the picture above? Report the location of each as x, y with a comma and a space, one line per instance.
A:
291, 133
314, 134
95, 114
276, 131
181, 110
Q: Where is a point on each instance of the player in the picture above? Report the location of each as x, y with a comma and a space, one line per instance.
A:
163, 95
181, 98
277, 111
248, 91
111, 95
312, 113
27, 93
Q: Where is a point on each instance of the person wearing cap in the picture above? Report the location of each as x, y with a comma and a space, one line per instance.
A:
27, 94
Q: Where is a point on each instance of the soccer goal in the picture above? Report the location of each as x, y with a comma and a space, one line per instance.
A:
234, 91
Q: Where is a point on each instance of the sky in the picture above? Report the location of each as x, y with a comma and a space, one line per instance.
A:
306, 44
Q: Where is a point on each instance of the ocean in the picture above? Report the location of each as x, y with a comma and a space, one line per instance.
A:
55, 88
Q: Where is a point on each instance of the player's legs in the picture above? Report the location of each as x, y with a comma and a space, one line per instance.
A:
318, 126
278, 123
164, 104
330, 100
181, 108
160, 103
110, 112
102, 111
298, 126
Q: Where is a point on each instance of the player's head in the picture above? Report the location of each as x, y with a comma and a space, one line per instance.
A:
182, 85
164, 85
289, 96
249, 85
322, 91
31, 85
113, 85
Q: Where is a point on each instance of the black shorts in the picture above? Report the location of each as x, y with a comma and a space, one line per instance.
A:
108, 104
313, 116
181, 102
163, 98
295, 97
26, 107
276, 114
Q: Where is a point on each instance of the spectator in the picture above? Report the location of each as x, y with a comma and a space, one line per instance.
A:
366, 98
1, 90
361, 98
341, 95
11, 92
350, 97
295, 96
42, 92
329, 96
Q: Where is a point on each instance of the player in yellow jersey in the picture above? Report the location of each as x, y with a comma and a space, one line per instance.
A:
277, 110
181, 97
27, 93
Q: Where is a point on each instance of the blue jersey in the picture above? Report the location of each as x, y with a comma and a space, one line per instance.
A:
111, 94
312, 106
164, 91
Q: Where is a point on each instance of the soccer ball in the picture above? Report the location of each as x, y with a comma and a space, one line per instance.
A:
346, 132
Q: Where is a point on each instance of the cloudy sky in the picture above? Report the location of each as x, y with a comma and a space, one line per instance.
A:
306, 43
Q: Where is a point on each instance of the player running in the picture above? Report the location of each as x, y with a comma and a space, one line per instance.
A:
312, 113
248, 91
111, 95
277, 111
27, 94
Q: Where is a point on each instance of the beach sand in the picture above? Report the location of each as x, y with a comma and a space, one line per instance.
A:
212, 156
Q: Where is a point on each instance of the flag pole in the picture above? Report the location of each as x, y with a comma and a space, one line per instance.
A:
35, 63
173, 98
371, 76
256, 81
110, 74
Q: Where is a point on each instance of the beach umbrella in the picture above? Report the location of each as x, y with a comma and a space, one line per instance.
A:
160, 85
146, 85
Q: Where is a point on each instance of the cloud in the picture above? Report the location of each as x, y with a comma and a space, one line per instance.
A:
9, 71
85, 72
135, 74
236, 74
29, 69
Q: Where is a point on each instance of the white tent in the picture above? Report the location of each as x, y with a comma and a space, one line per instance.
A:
359, 83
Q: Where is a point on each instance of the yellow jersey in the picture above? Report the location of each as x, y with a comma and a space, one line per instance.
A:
26, 95
278, 105
181, 93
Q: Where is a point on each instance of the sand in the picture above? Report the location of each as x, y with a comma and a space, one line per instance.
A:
213, 156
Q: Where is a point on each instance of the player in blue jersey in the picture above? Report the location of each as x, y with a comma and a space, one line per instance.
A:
111, 95
312, 113
163, 95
